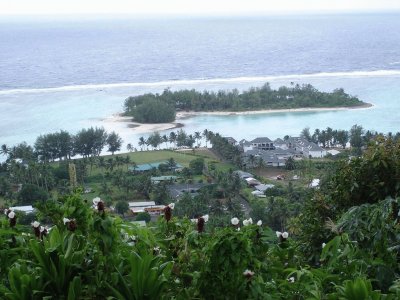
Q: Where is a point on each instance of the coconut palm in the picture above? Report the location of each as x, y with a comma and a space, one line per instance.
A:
197, 137
4, 150
172, 138
206, 136
141, 143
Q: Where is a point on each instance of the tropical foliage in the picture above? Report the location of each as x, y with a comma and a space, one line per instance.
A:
161, 106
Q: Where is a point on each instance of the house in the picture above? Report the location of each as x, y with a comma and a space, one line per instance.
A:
263, 187
306, 148
25, 209
158, 179
231, 140
151, 166
272, 158
146, 206
315, 151
279, 143
252, 181
258, 194
245, 145
242, 174
177, 190
262, 143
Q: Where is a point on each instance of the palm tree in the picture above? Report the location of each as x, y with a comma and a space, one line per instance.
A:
252, 160
129, 147
197, 137
171, 163
142, 142
290, 164
4, 150
164, 139
206, 136
172, 138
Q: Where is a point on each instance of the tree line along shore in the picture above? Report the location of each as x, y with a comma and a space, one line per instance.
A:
162, 108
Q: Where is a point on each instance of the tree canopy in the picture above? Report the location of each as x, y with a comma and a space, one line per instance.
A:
158, 108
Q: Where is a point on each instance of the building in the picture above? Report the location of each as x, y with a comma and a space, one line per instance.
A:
262, 143
177, 190
231, 140
263, 187
151, 166
146, 206
305, 148
242, 174
158, 179
245, 145
25, 209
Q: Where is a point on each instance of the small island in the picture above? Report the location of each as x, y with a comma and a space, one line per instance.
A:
162, 108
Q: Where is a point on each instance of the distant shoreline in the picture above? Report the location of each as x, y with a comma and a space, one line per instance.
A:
182, 115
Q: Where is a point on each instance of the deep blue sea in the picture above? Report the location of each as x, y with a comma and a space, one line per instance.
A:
69, 74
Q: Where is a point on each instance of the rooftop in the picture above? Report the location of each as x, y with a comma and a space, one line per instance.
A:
150, 166
261, 140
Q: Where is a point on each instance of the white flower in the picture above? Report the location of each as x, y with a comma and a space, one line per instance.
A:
11, 215
259, 223
66, 220
41, 229
6, 211
246, 222
132, 237
205, 217
238, 229
36, 224
248, 273
171, 205
291, 279
250, 221
96, 200
285, 235
323, 245
234, 221
194, 221
278, 234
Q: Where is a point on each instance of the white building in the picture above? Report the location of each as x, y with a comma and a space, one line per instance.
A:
26, 209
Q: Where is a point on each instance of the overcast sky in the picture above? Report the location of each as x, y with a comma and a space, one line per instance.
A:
192, 7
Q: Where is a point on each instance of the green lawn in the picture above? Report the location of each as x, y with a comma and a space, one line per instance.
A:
184, 158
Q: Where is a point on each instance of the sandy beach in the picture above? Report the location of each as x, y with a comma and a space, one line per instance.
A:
188, 114
140, 128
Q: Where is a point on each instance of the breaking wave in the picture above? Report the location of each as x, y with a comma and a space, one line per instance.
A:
171, 83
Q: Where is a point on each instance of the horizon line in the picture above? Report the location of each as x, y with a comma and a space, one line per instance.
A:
199, 15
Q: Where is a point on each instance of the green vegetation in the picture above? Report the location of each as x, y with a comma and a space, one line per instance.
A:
152, 111
339, 241
156, 108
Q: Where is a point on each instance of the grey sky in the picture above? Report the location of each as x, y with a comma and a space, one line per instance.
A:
192, 7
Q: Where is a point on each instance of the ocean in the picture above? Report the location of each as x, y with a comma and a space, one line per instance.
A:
71, 74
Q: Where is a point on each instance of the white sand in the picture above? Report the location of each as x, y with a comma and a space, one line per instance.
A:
117, 120
138, 127
188, 114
